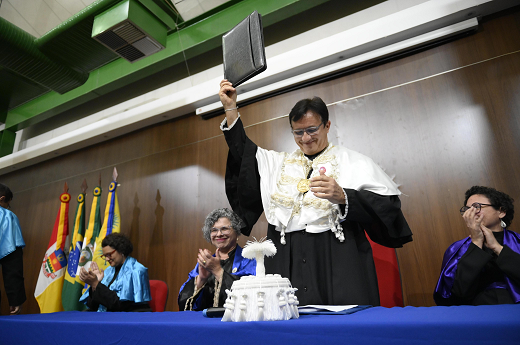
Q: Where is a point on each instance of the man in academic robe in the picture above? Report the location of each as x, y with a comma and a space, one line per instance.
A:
11, 254
319, 201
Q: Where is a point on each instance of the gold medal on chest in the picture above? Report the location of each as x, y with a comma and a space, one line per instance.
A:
304, 185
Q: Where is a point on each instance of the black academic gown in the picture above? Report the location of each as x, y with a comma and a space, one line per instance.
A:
325, 270
479, 268
12, 273
208, 291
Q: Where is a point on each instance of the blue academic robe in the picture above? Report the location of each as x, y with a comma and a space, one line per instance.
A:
131, 284
11, 257
241, 267
10, 233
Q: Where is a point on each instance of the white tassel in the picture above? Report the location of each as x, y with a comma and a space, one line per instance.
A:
340, 234
282, 236
243, 308
229, 305
295, 307
283, 305
290, 298
261, 305
335, 225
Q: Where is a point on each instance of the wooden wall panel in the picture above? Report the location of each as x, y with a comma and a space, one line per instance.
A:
456, 127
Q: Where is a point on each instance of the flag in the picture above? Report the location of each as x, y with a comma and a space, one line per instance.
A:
50, 280
72, 285
94, 225
112, 223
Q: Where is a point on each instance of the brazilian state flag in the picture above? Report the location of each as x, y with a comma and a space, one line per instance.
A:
112, 223
56, 261
72, 285
52, 268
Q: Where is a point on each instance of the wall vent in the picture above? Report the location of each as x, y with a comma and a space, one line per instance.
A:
130, 31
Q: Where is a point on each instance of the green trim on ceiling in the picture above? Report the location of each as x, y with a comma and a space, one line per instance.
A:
196, 39
7, 139
159, 13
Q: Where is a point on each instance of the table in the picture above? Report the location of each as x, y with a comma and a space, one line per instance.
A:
492, 325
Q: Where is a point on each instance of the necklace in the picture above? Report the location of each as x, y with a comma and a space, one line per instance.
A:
304, 185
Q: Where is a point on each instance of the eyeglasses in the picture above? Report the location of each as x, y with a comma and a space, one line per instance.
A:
477, 205
7, 203
108, 255
309, 130
225, 230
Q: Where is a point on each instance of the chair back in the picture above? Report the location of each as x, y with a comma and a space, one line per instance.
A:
388, 275
159, 292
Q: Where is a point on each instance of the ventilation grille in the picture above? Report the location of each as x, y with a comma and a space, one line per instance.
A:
129, 41
128, 32
147, 46
130, 53
111, 40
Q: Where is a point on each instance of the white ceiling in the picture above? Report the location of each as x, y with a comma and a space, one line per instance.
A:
191, 8
39, 16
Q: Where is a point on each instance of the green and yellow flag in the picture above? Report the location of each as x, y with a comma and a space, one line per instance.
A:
72, 285
94, 226
112, 223
50, 281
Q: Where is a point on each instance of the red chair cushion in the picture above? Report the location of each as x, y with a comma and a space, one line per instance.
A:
159, 292
388, 276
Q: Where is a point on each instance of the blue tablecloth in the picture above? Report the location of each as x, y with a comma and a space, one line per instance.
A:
491, 325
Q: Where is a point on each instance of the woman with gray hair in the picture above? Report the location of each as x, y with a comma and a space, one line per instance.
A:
214, 273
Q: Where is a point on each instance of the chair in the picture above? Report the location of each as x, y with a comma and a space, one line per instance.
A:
388, 276
159, 292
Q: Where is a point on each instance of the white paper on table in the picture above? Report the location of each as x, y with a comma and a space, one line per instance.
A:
330, 308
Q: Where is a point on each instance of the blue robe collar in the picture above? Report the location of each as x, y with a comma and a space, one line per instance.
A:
238, 262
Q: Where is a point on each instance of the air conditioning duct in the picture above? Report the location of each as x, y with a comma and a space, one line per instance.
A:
130, 30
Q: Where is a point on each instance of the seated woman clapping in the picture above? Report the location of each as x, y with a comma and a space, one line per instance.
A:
214, 273
124, 286
483, 268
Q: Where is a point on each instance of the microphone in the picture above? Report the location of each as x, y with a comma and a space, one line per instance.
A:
214, 312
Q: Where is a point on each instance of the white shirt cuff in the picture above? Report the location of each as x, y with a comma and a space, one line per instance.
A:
224, 122
342, 216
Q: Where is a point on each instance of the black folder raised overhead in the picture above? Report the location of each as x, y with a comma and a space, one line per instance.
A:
244, 52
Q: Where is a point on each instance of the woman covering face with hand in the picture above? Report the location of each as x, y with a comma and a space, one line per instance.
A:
483, 268
124, 286
216, 272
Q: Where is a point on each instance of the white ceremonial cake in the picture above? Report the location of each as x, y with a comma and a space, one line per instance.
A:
262, 297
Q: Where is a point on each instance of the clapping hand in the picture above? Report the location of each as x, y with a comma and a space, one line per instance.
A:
208, 265
490, 241
93, 276
473, 222
97, 271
